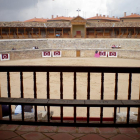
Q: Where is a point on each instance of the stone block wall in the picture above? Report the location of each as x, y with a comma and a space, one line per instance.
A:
23, 44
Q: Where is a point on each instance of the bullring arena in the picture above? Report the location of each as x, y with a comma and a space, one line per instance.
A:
128, 56
76, 39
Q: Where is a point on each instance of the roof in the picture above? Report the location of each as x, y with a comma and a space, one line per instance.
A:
36, 20
61, 18
103, 18
132, 16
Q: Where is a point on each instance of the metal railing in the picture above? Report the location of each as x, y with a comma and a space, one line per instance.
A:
71, 103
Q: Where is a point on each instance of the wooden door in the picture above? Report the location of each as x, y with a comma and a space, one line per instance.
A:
78, 53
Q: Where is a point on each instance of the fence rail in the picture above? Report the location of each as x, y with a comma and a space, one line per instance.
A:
71, 103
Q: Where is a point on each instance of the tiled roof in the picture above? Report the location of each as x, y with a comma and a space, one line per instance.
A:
36, 20
61, 18
103, 18
132, 16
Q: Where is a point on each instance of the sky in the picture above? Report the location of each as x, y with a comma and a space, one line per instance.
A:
21, 10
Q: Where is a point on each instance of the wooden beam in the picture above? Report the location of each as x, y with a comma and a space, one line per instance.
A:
24, 31
127, 30
46, 32
139, 107
85, 32
17, 32
119, 31
0, 105
104, 33
54, 32
94, 32
9, 32
134, 30
71, 31
62, 32
1, 31
39, 31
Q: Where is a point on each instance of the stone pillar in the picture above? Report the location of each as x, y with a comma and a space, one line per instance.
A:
62, 32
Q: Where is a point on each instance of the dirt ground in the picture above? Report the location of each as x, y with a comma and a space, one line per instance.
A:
109, 82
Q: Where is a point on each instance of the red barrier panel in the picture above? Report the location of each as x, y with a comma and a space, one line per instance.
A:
46, 54
112, 54
56, 53
5, 57
102, 54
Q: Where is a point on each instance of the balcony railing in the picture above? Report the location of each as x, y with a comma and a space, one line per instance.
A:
74, 103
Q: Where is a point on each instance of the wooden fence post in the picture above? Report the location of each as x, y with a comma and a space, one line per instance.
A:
139, 107
0, 105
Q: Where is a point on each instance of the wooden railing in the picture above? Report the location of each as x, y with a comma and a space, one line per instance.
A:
70, 103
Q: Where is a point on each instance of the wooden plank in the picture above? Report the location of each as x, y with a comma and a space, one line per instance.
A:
98, 69
116, 95
61, 94
0, 98
139, 107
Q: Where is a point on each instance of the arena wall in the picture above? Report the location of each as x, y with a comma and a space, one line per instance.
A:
58, 43
33, 54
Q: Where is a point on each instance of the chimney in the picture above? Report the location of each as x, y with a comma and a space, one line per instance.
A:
96, 15
124, 14
103, 15
52, 16
113, 16
57, 16
131, 13
100, 15
108, 16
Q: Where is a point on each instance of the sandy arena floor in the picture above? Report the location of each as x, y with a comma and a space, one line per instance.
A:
109, 82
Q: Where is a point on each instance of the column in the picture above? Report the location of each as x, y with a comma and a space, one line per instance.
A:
46, 32
85, 32
1, 31
94, 32
71, 31
0, 97
9, 32
17, 32
39, 31
54, 32
24, 32
119, 31
104, 33
62, 32
127, 31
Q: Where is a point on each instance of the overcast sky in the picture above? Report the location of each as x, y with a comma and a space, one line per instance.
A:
14, 10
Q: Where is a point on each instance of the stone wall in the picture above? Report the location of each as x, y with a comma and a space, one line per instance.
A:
32, 54
58, 43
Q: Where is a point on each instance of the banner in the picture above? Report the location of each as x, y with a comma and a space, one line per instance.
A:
5, 57
56, 53
102, 54
112, 54
46, 54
